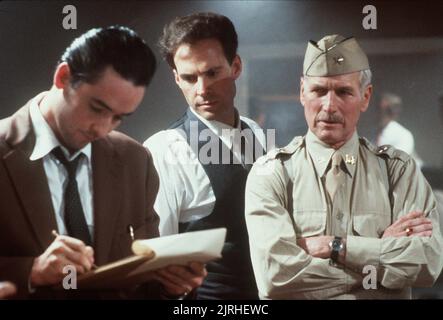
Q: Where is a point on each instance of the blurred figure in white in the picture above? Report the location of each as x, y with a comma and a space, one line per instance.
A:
390, 131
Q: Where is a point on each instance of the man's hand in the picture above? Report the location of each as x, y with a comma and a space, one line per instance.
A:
180, 280
48, 267
316, 246
7, 289
413, 224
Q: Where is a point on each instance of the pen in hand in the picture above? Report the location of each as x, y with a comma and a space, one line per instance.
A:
55, 234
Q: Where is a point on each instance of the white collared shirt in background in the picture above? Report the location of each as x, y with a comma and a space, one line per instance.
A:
398, 136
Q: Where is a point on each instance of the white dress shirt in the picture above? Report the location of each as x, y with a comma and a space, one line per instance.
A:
45, 142
396, 135
185, 193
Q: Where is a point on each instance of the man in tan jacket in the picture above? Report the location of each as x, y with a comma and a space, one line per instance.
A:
330, 216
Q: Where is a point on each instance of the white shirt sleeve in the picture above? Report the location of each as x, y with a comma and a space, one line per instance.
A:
165, 204
185, 192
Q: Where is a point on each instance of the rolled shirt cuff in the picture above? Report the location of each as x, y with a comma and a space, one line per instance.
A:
361, 252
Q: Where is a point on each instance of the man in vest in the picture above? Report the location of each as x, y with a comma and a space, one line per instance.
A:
203, 159
330, 216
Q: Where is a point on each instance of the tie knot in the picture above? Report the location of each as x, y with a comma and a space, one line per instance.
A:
336, 159
335, 176
70, 166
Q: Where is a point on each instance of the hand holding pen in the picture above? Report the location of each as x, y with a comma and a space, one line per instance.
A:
47, 268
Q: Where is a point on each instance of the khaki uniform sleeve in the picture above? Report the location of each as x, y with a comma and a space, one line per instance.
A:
404, 261
280, 266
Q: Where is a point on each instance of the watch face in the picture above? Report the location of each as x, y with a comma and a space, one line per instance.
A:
337, 245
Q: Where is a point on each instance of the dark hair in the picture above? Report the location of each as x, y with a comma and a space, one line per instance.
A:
195, 27
116, 46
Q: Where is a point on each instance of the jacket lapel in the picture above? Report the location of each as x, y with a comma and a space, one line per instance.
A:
107, 171
29, 178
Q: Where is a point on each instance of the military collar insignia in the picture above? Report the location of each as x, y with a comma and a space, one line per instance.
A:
339, 60
349, 159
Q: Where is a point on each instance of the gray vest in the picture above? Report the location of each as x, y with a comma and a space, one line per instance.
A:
230, 277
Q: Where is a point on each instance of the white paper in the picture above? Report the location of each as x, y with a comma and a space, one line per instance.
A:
202, 246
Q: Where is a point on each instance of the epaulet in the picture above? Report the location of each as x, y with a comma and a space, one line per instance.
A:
277, 152
385, 150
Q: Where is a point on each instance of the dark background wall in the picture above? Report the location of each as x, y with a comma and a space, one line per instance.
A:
32, 38
405, 53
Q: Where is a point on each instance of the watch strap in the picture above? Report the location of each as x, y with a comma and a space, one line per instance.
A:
336, 246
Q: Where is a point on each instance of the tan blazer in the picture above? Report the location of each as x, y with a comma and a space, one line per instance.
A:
125, 185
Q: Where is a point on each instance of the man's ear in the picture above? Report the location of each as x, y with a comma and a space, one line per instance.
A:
366, 98
62, 75
176, 77
302, 90
236, 67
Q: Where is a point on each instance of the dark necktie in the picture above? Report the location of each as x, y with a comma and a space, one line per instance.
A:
247, 154
74, 217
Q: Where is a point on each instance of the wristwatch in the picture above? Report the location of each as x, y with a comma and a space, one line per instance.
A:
336, 246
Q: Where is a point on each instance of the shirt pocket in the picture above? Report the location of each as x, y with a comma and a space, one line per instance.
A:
309, 223
370, 224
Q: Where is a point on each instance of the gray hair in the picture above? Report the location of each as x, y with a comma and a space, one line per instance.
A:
365, 80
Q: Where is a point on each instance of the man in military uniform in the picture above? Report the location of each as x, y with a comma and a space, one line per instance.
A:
330, 216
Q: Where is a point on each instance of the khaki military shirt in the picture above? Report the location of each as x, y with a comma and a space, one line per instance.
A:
286, 199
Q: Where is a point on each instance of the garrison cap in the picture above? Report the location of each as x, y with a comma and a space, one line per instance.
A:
334, 55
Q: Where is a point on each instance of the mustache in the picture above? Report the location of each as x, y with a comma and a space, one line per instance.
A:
329, 117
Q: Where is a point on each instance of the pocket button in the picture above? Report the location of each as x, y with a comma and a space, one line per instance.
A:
339, 216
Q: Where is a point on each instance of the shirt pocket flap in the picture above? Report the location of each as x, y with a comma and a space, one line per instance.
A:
370, 223
309, 223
